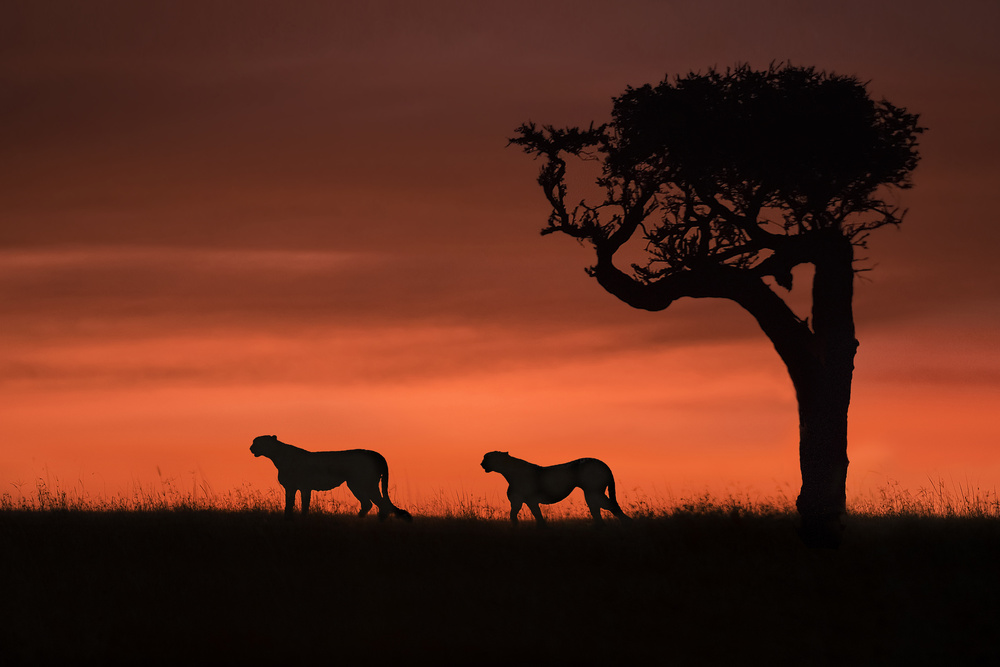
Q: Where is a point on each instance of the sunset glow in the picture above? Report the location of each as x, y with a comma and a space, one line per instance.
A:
215, 227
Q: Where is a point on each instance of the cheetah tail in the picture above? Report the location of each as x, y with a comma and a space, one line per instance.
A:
401, 513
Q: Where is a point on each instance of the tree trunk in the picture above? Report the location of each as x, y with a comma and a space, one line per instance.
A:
819, 357
822, 501
824, 395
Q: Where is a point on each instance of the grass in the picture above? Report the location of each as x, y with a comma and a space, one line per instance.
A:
167, 577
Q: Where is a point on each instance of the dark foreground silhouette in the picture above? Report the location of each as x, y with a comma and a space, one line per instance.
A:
305, 472
530, 484
696, 586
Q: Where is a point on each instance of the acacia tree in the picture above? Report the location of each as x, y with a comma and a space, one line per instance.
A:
725, 182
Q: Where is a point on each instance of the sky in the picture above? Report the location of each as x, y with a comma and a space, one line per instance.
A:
223, 220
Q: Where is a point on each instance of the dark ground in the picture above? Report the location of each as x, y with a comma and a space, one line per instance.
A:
215, 587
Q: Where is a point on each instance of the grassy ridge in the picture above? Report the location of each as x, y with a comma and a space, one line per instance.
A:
697, 586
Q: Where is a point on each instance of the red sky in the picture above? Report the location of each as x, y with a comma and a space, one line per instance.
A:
220, 220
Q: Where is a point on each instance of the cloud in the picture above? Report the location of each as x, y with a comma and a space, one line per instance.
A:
282, 290
100, 317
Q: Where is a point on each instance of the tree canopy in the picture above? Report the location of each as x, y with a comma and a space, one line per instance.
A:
732, 168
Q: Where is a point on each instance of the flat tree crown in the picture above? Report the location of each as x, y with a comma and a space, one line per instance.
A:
725, 167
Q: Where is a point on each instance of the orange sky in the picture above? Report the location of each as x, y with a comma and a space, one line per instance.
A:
217, 223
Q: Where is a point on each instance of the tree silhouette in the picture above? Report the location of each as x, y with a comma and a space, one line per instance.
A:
724, 182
